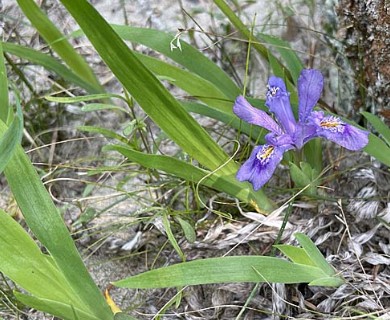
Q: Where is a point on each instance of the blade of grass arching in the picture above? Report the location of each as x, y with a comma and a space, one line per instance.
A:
379, 126
256, 44
224, 270
291, 59
156, 101
189, 57
23, 262
55, 308
4, 103
105, 132
378, 149
47, 225
151, 95
56, 40
217, 105
49, 63
193, 84
89, 97
186, 171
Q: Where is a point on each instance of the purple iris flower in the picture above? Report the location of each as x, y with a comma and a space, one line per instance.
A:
286, 133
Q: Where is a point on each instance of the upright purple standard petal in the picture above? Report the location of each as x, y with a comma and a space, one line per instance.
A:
260, 166
278, 102
338, 131
310, 85
246, 112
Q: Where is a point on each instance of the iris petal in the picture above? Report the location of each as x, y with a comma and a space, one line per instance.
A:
310, 85
246, 112
261, 165
340, 132
278, 102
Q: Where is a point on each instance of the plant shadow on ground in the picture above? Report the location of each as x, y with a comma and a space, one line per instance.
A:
116, 216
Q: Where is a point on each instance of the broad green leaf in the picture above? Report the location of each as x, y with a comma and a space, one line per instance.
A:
188, 229
314, 254
378, 149
327, 282
151, 95
313, 154
304, 177
298, 176
56, 40
4, 103
295, 254
55, 308
224, 270
23, 262
186, 171
49, 63
42, 217
379, 126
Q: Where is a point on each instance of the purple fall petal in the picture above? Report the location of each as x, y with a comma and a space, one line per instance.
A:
278, 102
310, 85
261, 165
340, 132
246, 112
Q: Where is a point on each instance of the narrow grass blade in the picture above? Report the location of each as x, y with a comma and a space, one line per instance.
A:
89, 97
157, 102
100, 106
47, 225
188, 172
190, 82
379, 126
378, 149
224, 270
4, 103
188, 56
58, 42
23, 262
49, 63
256, 43
105, 132
171, 237
55, 308
11, 138
292, 61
